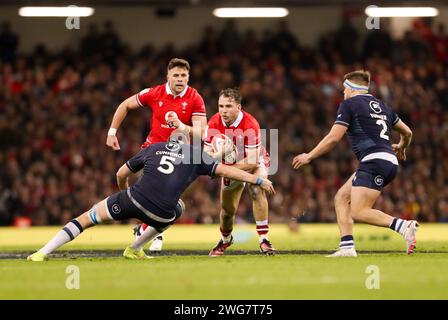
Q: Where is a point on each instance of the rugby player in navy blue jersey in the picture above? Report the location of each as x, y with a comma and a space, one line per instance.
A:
368, 122
168, 169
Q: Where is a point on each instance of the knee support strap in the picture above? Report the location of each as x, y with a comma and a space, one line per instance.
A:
94, 216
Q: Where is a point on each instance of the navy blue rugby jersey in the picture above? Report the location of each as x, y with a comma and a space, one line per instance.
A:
168, 169
369, 121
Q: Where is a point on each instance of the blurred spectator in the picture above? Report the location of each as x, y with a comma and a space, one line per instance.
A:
378, 42
229, 38
346, 41
9, 42
440, 44
90, 42
109, 42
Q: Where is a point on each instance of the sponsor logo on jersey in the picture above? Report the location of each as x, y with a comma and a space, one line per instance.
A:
171, 154
116, 208
375, 106
379, 180
172, 146
184, 107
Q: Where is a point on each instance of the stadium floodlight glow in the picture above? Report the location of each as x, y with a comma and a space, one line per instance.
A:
250, 12
401, 12
70, 11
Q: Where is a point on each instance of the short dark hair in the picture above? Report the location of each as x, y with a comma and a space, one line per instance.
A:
361, 77
176, 62
233, 93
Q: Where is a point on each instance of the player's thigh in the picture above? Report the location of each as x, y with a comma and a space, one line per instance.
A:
363, 198
230, 197
344, 192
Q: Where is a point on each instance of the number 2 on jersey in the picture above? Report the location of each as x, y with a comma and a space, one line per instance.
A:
168, 162
383, 132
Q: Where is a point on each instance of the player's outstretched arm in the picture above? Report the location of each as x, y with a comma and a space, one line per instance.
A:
250, 162
405, 139
326, 144
240, 175
121, 112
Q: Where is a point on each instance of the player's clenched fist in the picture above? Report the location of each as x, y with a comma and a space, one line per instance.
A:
172, 120
300, 160
400, 151
112, 142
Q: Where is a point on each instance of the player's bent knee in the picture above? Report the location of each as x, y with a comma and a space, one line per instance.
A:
256, 193
228, 211
357, 214
342, 197
354, 216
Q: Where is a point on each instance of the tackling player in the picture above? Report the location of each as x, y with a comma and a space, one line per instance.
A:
244, 129
174, 105
368, 122
168, 169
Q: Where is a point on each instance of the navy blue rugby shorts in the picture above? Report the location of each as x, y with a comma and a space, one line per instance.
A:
121, 207
374, 174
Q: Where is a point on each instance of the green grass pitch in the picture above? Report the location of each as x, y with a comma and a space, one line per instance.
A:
299, 271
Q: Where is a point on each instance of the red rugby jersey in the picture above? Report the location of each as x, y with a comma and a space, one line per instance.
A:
162, 100
245, 132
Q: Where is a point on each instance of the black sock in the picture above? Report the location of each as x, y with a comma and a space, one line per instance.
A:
347, 242
392, 226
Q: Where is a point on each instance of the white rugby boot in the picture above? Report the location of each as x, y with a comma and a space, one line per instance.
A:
343, 252
410, 229
156, 245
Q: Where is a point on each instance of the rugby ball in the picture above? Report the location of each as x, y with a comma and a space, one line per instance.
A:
224, 145
170, 114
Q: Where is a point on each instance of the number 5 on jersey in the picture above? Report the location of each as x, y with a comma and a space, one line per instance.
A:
166, 165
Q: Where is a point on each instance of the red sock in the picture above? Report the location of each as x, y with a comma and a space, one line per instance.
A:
225, 233
262, 227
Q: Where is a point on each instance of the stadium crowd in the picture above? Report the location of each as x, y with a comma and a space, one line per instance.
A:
56, 108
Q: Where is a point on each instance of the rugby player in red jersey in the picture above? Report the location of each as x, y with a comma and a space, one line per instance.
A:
244, 129
174, 106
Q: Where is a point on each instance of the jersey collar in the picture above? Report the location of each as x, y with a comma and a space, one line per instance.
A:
237, 122
363, 94
169, 92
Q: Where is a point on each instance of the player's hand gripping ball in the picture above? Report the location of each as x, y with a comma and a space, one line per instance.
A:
225, 148
170, 118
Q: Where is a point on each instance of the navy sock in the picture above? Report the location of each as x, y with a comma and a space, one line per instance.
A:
398, 225
392, 225
347, 242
